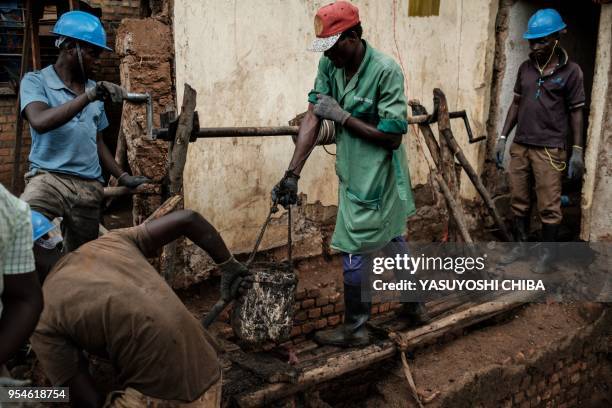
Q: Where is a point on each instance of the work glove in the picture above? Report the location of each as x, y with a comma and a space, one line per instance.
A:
105, 90
327, 108
285, 191
576, 164
235, 279
500, 150
132, 181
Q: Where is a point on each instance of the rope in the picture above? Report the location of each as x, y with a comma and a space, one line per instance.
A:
553, 162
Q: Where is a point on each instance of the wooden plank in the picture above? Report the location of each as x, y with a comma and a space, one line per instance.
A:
167, 207
141, 189
356, 359
265, 366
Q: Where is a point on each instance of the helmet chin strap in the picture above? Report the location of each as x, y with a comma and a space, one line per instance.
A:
80, 56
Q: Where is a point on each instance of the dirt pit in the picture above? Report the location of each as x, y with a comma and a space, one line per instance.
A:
438, 368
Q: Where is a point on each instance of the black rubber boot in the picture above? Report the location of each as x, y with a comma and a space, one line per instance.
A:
521, 227
414, 312
353, 332
547, 253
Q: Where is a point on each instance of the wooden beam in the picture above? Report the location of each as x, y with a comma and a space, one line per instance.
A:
141, 189
353, 360
167, 207
181, 142
447, 160
457, 152
25, 58
178, 157
73, 4
36, 64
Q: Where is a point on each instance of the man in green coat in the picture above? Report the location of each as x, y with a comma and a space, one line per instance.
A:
362, 91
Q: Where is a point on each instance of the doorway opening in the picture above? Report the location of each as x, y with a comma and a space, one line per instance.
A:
580, 42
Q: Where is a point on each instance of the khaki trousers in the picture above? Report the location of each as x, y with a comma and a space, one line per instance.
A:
78, 201
131, 398
546, 165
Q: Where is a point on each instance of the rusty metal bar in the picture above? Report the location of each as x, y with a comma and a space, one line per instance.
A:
254, 131
204, 133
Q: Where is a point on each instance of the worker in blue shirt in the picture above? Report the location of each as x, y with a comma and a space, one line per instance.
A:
65, 110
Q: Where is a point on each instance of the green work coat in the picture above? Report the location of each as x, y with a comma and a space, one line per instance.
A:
374, 194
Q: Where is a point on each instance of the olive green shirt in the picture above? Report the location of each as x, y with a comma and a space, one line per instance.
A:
374, 195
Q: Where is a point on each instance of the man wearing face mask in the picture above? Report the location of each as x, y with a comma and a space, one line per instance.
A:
362, 91
548, 104
65, 111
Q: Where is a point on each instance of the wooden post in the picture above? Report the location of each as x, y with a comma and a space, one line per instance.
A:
432, 144
452, 203
482, 190
178, 157
181, 141
447, 160
25, 58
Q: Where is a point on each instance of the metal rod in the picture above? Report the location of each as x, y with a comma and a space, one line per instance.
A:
252, 131
144, 98
236, 132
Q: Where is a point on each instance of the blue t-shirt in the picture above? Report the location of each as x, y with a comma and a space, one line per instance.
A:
72, 147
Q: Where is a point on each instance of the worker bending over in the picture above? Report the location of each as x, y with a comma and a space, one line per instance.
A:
107, 300
548, 104
66, 115
20, 296
362, 91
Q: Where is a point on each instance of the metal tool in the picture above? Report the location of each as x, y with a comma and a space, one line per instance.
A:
143, 98
221, 304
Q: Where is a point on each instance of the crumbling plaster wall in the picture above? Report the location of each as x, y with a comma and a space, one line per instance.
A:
597, 189
249, 64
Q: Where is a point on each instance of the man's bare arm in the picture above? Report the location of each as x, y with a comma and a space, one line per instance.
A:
82, 387
370, 133
106, 158
44, 118
306, 139
22, 302
511, 116
577, 124
193, 226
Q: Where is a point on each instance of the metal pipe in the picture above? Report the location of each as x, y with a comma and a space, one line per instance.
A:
252, 131
236, 132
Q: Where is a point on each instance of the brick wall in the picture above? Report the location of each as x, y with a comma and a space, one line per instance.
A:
321, 308
562, 374
7, 139
112, 14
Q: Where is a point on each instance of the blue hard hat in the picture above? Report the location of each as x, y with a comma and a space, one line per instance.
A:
40, 225
544, 22
81, 26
